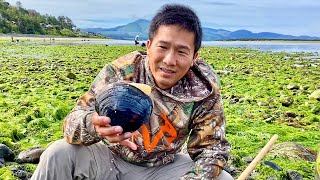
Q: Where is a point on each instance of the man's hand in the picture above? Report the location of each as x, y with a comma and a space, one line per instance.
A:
112, 133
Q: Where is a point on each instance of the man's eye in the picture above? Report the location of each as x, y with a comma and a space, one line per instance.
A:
162, 47
183, 52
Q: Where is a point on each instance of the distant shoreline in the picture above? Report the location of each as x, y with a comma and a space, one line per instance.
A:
64, 38
36, 37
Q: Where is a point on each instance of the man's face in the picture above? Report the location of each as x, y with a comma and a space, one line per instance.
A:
171, 54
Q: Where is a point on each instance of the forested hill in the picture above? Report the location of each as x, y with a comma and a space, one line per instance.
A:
16, 19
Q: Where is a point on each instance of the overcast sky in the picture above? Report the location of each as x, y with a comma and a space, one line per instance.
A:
293, 17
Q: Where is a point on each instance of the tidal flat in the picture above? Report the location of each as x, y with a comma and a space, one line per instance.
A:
264, 93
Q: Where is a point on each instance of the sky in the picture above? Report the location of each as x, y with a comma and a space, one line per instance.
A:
291, 17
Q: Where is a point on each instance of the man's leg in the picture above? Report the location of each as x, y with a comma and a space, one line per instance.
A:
65, 161
172, 171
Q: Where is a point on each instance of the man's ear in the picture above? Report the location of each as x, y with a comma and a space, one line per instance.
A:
148, 45
194, 58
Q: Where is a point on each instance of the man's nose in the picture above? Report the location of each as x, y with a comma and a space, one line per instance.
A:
170, 59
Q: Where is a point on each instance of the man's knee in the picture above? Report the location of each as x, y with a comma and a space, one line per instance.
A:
225, 176
61, 150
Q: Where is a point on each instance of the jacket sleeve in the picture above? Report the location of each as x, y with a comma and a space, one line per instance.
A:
207, 144
78, 128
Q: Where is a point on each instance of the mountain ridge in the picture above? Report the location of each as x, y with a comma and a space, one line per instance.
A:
140, 27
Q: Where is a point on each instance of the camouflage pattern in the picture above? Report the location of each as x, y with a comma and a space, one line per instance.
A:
193, 106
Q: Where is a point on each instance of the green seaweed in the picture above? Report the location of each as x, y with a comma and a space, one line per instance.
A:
40, 84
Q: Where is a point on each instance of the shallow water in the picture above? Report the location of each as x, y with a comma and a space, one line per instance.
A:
274, 46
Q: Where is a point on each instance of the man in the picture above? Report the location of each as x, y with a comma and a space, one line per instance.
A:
186, 101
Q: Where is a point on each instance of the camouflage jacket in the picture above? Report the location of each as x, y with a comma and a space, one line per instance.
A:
192, 107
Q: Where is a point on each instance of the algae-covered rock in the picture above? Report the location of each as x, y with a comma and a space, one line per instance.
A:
286, 101
315, 95
71, 75
293, 151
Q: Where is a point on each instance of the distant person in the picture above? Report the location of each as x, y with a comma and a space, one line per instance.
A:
136, 40
187, 105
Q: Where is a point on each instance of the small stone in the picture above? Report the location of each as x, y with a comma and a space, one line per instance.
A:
247, 159
315, 95
294, 175
293, 87
71, 75
269, 120
286, 101
20, 174
290, 114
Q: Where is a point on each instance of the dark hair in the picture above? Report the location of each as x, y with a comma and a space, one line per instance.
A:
180, 15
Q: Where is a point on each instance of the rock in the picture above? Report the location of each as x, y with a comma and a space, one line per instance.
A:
262, 103
71, 75
31, 155
290, 114
292, 87
294, 175
293, 152
286, 101
247, 159
1, 165
2, 160
315, 95
19, 172
6, 153
271, 178
269, 120
232, 170
273, 165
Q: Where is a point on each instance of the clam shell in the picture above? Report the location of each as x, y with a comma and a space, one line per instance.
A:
126, 105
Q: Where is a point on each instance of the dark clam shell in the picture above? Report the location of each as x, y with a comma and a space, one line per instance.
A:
126, 105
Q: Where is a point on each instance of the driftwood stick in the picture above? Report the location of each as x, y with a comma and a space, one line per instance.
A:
258, 158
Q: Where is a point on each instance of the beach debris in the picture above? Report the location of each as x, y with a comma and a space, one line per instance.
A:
273, 165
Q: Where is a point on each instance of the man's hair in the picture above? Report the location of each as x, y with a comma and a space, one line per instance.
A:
180, 15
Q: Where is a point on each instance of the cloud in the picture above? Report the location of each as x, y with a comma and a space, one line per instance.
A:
282, 16
217, 3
